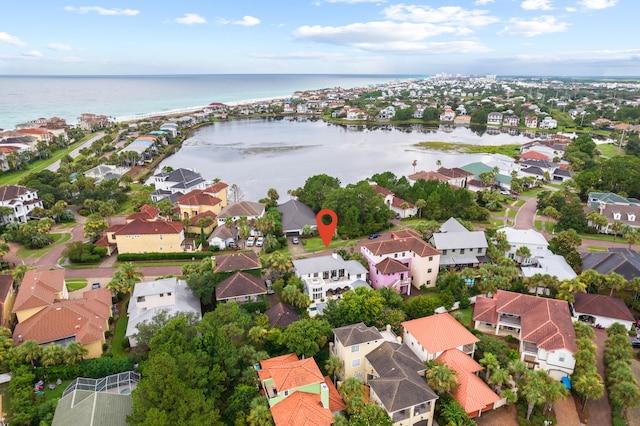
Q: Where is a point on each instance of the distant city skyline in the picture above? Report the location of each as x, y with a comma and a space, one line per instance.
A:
503, 37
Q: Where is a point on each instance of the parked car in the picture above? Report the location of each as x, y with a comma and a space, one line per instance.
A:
95, 286
295, 240
635, 342
373, 236
250, 242
259, 242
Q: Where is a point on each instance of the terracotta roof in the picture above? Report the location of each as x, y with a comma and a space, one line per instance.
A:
240, 284
389, 266
381, 190
301, 409
437, 333
198, 197
85, 319
603, 306
412, 242
335, 400
38, 288
546, 322
216, 187
281, 315
8, 149
428, 176
356, 334
237, 262
6, 282
398, 202
13, 191
155, 227
534, 155
454, 172
242, 208
193, 220
289, 373
472, 393
151, 210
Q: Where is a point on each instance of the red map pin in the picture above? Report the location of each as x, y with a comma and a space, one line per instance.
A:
326, 231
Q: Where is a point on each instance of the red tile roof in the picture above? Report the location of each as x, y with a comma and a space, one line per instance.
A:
404, 240
155, 227
428, 176
534, 155
335, 400
38, 288
604, 306
301, 409
546, 322
216, 187
198, 197
437, 333
381, 190
390, 266
289, 373
237, 262
193, 220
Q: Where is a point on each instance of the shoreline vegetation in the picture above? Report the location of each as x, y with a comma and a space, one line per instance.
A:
465, 148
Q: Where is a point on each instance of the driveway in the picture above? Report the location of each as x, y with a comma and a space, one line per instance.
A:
599, 409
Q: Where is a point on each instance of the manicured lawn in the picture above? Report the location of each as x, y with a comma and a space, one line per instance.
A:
610, 150
25, 253
508, 150
596, 249
121, 328
74, 284
538, 224
520, 203
512, 213
315, 244
549, 226
464, 316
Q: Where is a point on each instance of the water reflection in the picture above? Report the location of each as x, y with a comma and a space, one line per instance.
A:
258, 154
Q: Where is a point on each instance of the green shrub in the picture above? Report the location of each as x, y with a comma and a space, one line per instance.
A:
137, 257
464, 302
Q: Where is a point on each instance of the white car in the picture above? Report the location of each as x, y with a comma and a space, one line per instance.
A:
250, 242
259, 242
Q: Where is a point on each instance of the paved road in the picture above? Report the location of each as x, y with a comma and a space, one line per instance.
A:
76, 151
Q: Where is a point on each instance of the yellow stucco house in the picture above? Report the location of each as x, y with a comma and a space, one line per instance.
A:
145, 236
198, 201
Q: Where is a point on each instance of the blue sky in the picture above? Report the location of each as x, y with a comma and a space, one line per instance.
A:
504, 37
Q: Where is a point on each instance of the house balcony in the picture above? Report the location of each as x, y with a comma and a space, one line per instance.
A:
401, 415
509, 320
469, 349
270, 390
421, 409
530, 348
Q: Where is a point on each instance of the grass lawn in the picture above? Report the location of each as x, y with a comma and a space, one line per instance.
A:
74, 284
84, 266
121, 328
512, 213
60, 238
610, 150
596, 249
549, 226
464, 316
520, 203
508, 150
538, 224
314, 244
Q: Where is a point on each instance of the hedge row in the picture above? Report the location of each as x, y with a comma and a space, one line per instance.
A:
137, 257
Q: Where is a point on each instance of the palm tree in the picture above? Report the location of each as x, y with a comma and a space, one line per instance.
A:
30, 351
553, 391
517, 368
489, 362
625, 394
589, 386
617, 227
334, 367
52, 355
441, 378
420, 204
74, 353
499, 377
533, 389
125, 278
19, 271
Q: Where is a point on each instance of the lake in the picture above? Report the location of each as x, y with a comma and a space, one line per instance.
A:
258, 154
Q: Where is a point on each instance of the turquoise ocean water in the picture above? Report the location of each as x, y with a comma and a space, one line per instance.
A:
24, 98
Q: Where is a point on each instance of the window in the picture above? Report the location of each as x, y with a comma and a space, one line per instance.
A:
140, 299
395, 255
286, 393
355, 363
444, 252
461, 251
561, 358
430, 258
161, 236
168, 294
429, 271
355, 348
453, 250
161, 294
316, 293
428, 282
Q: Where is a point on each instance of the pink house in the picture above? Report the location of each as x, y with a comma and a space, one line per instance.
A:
391, 273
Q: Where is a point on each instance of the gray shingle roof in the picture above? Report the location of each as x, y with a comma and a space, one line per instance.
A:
458, 240
295, 215
356, 334
620, 260
327, 263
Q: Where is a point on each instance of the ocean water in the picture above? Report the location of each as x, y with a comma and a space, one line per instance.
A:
24, 98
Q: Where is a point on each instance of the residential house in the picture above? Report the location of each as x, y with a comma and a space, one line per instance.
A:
397, 205
473, 394
6, 152
248, 209
429, 337
462, 120
295, 216
91, 122
627, 214
533, 240
175, 183
494, 118
459, 248
241, 287
352, 343
427, 176
98, 402
548, 264
297, 393
395, 377
511, 121
327, 277
243, 261
542, 325
455, 176
8, 290
623, 261
281, 315
140, 235
224, 237
478, 168
598, 199
407, 248
149, 298
105, 172
531, 121
448, 115
47, 315
197, 201
387, 113
548, 123
597, 309
21, 199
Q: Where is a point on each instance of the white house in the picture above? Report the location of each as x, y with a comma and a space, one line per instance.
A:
458, 246
175, 183
494, 118
149, 298
548, 123
602, 310
21, 199
533, 240
249, 209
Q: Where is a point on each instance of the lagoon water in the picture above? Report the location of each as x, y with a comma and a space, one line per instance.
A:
258, 154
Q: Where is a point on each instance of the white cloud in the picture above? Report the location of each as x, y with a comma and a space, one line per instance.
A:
483, 2
58, 46
597, 4
7, 38
570, 9
300, 55
534, 27
102, 10
190, 19
422, 48
354, 1
33, 54
536, 5
247, 21
452, 15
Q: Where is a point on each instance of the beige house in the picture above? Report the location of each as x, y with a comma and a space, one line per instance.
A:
198, 201
351, 344
7, 299
46, 315
146, 236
